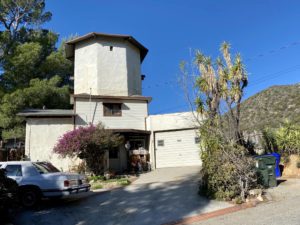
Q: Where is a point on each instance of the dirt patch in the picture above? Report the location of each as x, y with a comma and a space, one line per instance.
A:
291, 167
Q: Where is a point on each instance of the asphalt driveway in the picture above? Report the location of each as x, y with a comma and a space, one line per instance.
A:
158, 197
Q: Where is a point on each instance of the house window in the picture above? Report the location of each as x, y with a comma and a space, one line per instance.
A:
160, 143
112, 109
13, 170
114, 153
197, 140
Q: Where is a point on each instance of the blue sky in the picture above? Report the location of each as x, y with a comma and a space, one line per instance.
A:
266, 33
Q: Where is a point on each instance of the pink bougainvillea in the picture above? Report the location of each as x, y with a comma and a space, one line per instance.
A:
74, 142
88, 143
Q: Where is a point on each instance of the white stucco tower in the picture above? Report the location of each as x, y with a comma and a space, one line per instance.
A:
107, 65
108, 89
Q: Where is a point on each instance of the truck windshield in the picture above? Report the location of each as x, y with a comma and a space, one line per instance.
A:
44, 167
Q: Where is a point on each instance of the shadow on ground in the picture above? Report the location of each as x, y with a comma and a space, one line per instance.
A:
279, 181
149, 203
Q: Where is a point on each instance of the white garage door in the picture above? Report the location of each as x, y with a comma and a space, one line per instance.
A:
177, 148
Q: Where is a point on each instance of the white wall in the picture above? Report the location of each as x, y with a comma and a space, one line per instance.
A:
112, 73
172, 121
112, 68
179, 149
41, 136
134, 114
85, 67
133, 70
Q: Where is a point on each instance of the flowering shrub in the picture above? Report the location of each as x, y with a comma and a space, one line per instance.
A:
90, 144
75, 142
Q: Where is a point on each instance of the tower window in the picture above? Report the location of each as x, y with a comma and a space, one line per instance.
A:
112, 109
111, 48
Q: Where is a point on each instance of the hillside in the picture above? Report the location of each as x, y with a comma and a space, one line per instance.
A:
271, 107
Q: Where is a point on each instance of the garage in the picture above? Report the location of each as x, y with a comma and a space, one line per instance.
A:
176, 148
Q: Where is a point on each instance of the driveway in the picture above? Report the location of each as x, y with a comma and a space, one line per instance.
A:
157, 197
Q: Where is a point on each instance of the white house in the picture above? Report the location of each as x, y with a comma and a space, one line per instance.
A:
108, 89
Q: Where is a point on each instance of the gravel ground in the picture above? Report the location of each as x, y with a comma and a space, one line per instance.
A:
283, 209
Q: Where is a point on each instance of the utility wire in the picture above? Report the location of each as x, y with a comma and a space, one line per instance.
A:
255, 83
258, 56
273, 51
273, 75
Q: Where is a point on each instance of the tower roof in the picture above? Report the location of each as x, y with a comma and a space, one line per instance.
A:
70, 44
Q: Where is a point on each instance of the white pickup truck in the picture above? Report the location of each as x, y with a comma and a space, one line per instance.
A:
41, 179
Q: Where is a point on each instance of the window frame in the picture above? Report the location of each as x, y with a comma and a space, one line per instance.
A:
109, 111
19, 172
197, 140
45, 168
161, 143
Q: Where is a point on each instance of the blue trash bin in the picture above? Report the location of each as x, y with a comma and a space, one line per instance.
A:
277, 169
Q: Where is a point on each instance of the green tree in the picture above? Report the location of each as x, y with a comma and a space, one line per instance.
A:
227, 169
27, 51
221, 84
35, 58
16, 16
16, 13
40, 93
34, 73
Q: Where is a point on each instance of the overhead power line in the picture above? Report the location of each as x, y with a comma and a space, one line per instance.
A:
254, 83
274, 75
273, 51
257, 56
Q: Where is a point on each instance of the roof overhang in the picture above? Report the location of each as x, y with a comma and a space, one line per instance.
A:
135, 131
70, 45
40, 113
115, 98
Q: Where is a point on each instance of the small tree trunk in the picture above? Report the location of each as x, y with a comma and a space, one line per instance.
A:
106, 161
242, 190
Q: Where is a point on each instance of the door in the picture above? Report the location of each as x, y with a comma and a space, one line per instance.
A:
177, 149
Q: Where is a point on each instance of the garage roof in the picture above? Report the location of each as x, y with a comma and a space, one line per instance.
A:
47, 113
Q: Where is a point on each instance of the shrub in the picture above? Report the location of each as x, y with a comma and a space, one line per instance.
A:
90, 144
288, 138
96, 178
228, 171
284, 140
268, 140
97, 186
